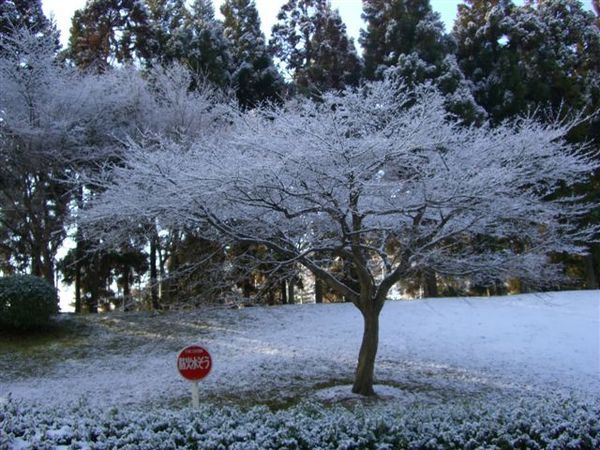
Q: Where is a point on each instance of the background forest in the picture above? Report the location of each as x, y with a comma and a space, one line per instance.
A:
134, 70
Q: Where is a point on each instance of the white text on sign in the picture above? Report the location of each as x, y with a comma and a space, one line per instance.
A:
193, 363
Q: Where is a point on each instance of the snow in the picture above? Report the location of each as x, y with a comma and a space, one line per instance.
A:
535, 343
498, 372
342, 393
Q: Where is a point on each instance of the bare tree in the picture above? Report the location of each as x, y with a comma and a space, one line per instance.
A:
379, 180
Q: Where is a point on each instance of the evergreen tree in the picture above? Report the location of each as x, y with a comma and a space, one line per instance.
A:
255, 77
400, 27
311, 41
105, 31
17, 15
34, 132
558, 43
486, 58
336, 63
544, 58
204, 48
166, 19
406, 39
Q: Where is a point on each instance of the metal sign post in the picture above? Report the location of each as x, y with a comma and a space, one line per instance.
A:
195, 394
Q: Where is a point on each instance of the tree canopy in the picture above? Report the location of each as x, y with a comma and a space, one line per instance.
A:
378, 177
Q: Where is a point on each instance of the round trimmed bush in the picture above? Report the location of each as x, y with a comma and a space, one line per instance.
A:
26, 302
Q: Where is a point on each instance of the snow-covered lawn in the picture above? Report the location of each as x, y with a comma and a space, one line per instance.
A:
432, 353
542, 341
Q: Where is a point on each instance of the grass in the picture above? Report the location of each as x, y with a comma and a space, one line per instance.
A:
70, 337
33, 353
84, 340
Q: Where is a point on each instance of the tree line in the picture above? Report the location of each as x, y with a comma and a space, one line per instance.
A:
137, 71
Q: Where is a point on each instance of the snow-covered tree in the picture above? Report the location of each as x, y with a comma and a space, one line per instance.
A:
51, 118
543, 56
166, 21
336, 63
310, 40
205, 50
33, 205
406, 38
400, 27
56, 122
107, 31
17, 15
379, 178
255, 77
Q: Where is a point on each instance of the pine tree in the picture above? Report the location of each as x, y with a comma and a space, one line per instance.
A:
166, 19
107, 31
310, 39
406, 39
400, 27
545, 53
255, 77
542, 58
486, 58
336, 62
558, 43
205, 50
17, 15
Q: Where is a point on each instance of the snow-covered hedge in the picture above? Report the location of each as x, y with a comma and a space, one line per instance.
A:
492, 424
26, 302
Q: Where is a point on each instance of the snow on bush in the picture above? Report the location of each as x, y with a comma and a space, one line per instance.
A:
26, 302
492, 423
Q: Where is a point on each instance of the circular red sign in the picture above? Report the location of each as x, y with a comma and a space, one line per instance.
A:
194, 362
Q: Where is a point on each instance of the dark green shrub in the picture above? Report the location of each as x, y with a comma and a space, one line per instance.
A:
26, 302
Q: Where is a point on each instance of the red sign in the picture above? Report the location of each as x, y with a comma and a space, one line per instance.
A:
194, 363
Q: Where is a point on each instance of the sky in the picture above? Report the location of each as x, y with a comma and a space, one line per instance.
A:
350, 10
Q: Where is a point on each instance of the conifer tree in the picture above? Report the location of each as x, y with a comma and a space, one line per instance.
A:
310, 39
205, 50
107, 31
481, 31
400, 27
166, 19
336, 63
543, 58
17, 15
254, 77
406, 38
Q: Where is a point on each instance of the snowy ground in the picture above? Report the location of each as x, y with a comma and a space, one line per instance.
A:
430, 350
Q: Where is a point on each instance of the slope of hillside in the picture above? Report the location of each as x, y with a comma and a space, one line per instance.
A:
430, 348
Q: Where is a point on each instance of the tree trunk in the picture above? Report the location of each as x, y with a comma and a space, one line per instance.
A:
126, 288
363, 380
291, 294
430, 288
153, 273
247, 287
283, 288
318, 290
590, 274
78, 253
47, 261
161, 270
